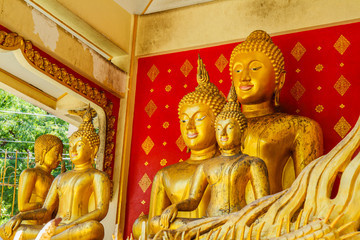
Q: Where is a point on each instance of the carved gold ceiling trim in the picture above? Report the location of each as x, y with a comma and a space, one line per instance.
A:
12, 41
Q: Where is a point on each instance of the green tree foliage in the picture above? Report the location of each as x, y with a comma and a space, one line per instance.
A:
20, 124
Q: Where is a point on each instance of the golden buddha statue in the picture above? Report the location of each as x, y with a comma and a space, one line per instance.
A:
257, 70
302, 212
197, 112
34, 183
226, 175
82, 195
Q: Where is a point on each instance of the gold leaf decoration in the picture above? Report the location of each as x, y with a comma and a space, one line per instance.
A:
153, 72
319, 67
144, 182
341, 44
342, 85
297, 90
186, 68
298, 70
298, 51
221, 63
168, 88
180, 143
319, 108
150, 108
342, 106
143, 202
166, 125
342, 127
163, 162
147, 145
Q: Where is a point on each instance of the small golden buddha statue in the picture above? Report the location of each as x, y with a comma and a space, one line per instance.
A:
226, 175
257, 70
34, 183
197, 112
82, 195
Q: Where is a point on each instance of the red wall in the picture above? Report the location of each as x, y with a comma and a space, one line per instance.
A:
330, 54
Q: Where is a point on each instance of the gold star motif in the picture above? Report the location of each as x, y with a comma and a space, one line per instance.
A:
146, 163
144, 182
342, 106
152, 90
319, 88
185, 86
221, 63
319, 48
341, 64
180, 143
148, 126
319, 67
150, 108
163, 162
181, 160
166, 125
164, 143
153, 72
168, 88
143, 202
319, 108
342, 127
297, 90
186, 68
169, 71
166, 106
298, 70
298, 51
341, 44
220, 81
147, 145
342, 85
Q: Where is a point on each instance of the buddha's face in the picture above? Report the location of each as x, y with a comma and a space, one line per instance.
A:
80, 150
254, 77
53, 157
197, 126
228, 134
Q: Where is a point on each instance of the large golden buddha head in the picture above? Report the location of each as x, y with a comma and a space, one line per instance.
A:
257, 69
230, 124
85, 142
48, 150
197, 112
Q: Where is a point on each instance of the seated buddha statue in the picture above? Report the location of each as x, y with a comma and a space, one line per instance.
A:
34, 183
257, 71
81, 195
197, 112
226, 175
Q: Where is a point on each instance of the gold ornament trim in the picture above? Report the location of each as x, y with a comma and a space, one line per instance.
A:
12, 41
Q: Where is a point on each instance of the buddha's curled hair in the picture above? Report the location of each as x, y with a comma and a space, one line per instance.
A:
232, 110
206, 92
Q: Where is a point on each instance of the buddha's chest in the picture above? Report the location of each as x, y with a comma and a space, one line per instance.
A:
74, 184
268, 135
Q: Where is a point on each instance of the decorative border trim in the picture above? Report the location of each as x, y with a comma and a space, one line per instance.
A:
12, 41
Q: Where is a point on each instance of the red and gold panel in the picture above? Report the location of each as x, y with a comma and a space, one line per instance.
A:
322, 82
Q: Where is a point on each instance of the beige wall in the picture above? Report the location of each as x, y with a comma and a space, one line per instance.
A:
17, 16
232, 20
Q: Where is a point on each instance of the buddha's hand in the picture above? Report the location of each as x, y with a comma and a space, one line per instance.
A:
202, 74
12, 224
168, 216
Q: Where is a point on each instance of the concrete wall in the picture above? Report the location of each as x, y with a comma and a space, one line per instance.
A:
45, 34
232, 20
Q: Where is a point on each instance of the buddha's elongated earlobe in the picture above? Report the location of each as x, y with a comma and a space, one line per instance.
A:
279, 84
